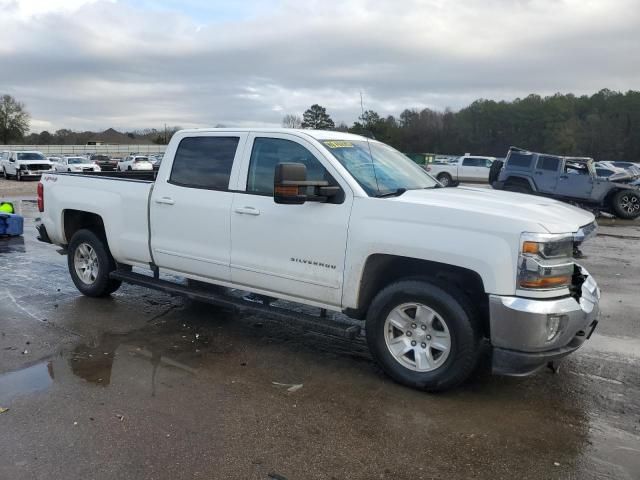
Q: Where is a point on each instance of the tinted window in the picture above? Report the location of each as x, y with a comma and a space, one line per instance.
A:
473, 162
521, 160
30, 156
204, 162
548, 163
268, 152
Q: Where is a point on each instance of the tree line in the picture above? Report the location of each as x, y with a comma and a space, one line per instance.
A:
605, 125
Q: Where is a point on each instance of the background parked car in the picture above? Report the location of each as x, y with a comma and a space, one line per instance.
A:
469, 168
135, 162
25, 164
630, 167
76, 164
105, 162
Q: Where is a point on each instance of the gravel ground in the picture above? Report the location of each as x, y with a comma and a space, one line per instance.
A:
12, 188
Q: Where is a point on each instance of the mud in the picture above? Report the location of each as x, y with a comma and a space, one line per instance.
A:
143, 385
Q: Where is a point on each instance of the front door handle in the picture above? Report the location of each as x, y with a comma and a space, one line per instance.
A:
247, 211
165, 201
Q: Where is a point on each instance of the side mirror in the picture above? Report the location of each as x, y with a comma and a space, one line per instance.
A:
12, 159
290, 178
287, 181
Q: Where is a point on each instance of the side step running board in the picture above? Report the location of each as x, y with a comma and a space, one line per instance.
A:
316, 324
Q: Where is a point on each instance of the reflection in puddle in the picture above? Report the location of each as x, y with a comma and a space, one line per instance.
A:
28, 380
99, 364
12, 244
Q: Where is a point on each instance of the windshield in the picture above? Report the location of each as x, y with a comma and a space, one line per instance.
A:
30, 156
77, 160
378, 168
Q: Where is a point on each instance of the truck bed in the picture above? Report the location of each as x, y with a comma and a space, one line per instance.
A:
108, 195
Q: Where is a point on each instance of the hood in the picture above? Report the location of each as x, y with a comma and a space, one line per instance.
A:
551, 215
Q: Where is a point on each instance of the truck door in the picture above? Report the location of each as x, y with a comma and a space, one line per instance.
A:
575, 180
546, 173
473, 170
191, 203
293, 250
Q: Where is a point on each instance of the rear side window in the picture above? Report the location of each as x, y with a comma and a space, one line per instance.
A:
268, 152
520, 160
473, 162
204, 162
548, 163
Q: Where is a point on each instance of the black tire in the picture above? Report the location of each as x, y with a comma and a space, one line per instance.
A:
18, 176
129, 168
68, 169
4, 173
626, 204
494, 171
456, 312
517, 187
445, 179
102, 285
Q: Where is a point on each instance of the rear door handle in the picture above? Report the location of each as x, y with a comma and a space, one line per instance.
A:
165, 200
247, 211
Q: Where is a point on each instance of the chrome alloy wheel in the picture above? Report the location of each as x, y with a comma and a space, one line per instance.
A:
630, 203
85, 262
417, 337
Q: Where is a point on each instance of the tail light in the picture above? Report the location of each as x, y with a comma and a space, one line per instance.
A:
40, 197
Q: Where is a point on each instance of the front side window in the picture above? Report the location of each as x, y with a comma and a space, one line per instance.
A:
268, 152
204, 162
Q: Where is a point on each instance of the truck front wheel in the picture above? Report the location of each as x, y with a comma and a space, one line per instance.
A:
423, 336
445, 179
90, 264
626, 204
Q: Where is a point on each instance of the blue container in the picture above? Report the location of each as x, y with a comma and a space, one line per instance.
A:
11, 224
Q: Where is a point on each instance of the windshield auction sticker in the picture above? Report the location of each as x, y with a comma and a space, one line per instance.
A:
338, 144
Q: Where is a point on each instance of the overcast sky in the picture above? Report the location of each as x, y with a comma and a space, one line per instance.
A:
127, 64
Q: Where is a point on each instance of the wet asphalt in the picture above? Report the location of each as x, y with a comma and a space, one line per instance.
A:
143, 385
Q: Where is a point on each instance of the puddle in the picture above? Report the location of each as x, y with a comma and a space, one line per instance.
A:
12, 245
28, 380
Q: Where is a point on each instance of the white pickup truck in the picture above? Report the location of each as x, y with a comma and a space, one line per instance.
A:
341, 223
468, 168
24, 164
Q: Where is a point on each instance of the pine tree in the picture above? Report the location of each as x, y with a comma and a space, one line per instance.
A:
316, 118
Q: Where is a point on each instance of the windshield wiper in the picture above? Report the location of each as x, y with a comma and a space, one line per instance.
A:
395, 193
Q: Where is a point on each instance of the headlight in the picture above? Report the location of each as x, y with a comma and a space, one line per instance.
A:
545, 261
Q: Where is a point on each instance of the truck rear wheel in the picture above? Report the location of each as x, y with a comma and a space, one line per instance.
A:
90, 264
423, 336
445, 179
626, 204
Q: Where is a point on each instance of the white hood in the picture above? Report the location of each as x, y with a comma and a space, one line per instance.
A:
552, 215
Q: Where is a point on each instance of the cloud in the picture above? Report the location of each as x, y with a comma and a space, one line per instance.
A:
133, 64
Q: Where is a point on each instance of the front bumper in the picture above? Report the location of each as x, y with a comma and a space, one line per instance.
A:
34, 173
519, 334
